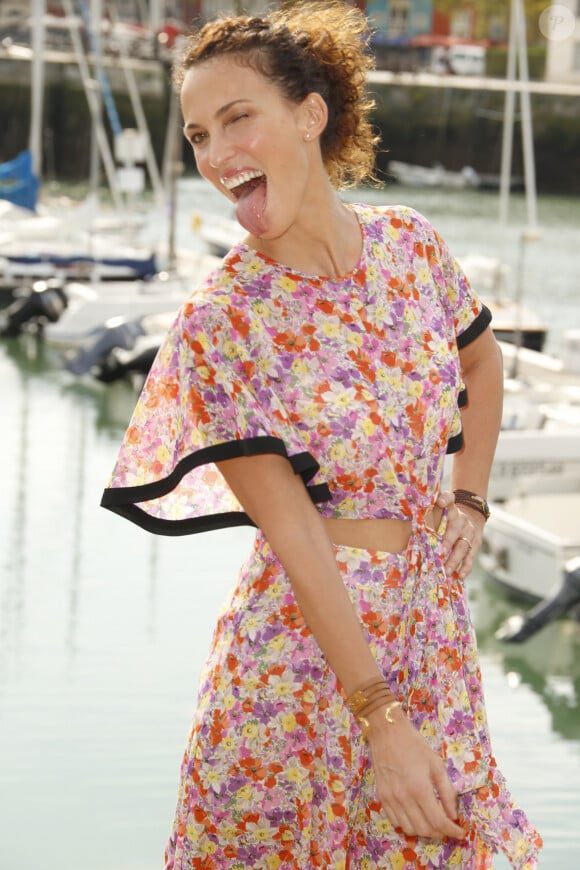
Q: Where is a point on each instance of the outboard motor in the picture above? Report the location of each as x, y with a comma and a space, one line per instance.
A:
44, 303
123, 364
116, 332
565, 601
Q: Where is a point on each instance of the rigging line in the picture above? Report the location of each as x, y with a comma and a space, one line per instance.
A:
92, 100
102, 77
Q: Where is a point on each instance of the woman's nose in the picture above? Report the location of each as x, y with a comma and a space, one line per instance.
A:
218, 152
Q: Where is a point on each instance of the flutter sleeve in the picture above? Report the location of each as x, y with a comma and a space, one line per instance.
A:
466, 316
205, 400
470, 316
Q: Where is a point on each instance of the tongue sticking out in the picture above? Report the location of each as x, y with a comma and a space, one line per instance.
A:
251, 205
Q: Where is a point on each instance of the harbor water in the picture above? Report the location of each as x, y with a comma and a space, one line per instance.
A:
103, 627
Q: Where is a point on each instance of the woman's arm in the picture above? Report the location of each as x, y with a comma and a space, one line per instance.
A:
408, 772
482, 368
276, 500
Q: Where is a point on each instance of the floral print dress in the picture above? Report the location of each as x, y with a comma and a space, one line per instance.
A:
356, 381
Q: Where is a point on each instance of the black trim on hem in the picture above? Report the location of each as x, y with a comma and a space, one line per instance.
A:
475, 328
302, 463
195, 525
124, 500
455, 443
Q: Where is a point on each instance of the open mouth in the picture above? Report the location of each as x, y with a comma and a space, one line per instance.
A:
250, 190
248, 187
245, 183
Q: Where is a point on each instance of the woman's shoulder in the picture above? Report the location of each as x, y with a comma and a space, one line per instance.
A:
399, 217
219, 301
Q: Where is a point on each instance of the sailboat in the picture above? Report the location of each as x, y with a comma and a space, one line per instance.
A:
18, 183
42, 269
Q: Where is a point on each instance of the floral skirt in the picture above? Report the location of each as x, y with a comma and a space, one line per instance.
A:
276, 774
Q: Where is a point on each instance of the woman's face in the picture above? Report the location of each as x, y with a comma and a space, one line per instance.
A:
249, 141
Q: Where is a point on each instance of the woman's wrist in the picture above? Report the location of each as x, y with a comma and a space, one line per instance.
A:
381, 721
369, 695
373, 703
472, 500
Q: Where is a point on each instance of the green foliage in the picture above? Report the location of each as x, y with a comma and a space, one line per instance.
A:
496, 61
484, 10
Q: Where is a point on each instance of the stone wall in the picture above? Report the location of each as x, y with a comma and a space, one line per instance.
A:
418, 125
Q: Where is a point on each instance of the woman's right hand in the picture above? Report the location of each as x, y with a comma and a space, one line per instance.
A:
412, 782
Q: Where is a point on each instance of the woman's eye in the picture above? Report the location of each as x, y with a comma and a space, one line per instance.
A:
238, 118
197, 138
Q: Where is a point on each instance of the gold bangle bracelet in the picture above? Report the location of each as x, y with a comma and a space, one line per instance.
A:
391, 706
361, 697
382, 701
365, 724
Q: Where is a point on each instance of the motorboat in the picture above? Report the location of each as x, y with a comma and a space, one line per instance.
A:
512, 321
93, 259
547, 663
71, 313
527, 459
413, 175
121, 349
218, 233
93, 305
531, 547
529, 538
544, 371
531, 542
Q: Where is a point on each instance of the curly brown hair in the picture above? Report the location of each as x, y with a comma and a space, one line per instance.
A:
304, 48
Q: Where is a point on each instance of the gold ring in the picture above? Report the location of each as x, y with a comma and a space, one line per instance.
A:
467, 541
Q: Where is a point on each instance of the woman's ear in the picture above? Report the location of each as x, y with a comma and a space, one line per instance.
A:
314, 116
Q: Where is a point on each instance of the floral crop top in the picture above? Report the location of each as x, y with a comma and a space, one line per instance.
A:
355, 380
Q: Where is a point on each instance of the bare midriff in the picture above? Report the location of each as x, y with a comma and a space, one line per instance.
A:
388, 535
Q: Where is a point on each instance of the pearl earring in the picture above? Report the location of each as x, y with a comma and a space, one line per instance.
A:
307, 135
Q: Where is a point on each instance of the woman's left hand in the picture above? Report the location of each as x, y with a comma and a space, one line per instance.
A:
462, 537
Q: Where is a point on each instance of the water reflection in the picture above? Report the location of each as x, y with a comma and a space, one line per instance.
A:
57, 426
112, 403
548, 662
12, 602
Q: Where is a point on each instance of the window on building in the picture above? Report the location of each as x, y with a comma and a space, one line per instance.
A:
399, 11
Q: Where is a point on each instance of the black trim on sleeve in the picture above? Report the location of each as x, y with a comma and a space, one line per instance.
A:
462, 398
124, 501
455, 443
475, 328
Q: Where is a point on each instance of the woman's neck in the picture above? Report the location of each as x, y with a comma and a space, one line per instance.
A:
327, 242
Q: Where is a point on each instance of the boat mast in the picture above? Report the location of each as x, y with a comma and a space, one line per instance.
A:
90, 87
95, 17
140, 118
518, 54
526, 112
38, 10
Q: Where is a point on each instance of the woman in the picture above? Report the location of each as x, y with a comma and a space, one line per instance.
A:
311, 387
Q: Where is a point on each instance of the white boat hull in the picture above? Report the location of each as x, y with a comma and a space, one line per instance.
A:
535, 461
529, 539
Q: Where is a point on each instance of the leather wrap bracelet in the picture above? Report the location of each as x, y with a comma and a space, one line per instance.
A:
472, 500
370, 697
